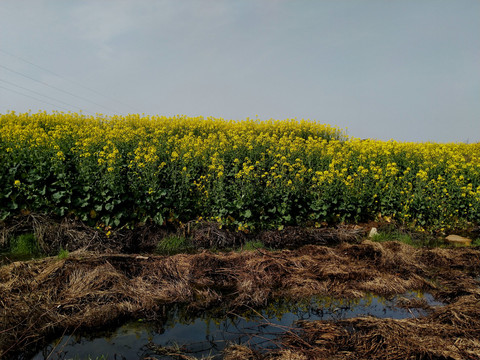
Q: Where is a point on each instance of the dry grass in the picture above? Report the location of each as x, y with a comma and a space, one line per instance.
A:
72, 234
449, 332
41, 297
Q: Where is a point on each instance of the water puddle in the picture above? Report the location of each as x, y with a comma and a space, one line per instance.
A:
209, 333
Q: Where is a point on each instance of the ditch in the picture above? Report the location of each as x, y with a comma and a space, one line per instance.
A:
360, 304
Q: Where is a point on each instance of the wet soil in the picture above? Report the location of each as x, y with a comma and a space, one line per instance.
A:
43, 298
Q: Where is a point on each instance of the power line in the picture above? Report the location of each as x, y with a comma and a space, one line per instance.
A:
66, 79
56, 88
36, 92
34, 98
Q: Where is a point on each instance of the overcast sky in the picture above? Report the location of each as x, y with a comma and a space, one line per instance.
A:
407, 70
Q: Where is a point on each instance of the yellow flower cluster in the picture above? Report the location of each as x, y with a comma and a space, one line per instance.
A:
251, 172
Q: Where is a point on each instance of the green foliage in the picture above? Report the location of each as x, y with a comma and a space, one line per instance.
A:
416, 239
394, 236
246, 175
252, 245
63, 254
173, 244
25, 244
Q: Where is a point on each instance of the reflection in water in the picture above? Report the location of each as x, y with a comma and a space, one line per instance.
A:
210, 332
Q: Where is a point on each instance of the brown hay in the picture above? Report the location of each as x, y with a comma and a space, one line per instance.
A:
450, 332
40, 297
208, 236
71, 234
53, 234
234, 352
293, 237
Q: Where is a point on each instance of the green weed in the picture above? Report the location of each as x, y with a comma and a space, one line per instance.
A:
395, 236
173, 244
24, 244
252, 245
63, 254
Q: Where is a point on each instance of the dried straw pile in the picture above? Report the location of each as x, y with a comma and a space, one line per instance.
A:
43, 297
449, 332
72, 234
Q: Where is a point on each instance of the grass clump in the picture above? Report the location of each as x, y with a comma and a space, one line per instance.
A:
25, 244
63, 254
173, 244
394, 236
252, 245
406, 236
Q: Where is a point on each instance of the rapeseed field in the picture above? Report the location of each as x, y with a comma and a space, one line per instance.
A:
114, 171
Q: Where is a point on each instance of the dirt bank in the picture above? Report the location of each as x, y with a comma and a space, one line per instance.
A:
42, 297
53, 234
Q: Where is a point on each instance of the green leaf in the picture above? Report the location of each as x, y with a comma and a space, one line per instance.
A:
247, 214
4, 215
58, 195
82, 203
158, 219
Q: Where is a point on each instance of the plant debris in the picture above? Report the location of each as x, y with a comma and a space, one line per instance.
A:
40, 298
449, 332
72, 234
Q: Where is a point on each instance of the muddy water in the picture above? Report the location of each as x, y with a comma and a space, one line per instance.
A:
209, 333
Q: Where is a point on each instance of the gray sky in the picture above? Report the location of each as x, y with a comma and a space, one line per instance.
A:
407, 70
